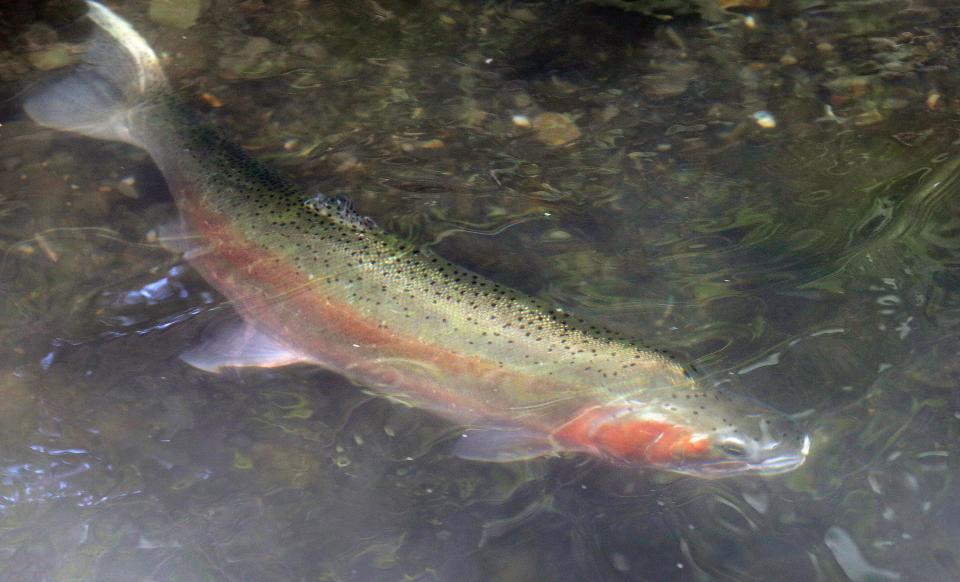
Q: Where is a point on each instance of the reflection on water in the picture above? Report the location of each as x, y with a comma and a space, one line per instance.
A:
607, 160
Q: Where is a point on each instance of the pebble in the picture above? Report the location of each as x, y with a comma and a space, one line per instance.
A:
211, 100
765, 119
555, 129
50, 58
127, 186
180, 14
431, 144
557, 235
521, 121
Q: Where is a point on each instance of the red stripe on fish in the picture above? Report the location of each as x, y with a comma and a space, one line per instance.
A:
239, 267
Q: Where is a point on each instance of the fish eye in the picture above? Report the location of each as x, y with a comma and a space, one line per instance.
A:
733, 448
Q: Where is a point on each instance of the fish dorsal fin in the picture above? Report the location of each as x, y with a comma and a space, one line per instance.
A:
339, 209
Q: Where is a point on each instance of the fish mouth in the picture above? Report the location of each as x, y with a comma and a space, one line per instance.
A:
730, 468
774, 465
781, 464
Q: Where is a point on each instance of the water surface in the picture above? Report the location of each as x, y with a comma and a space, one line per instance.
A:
771, 193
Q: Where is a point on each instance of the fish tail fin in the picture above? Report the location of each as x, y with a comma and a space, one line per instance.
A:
119, 71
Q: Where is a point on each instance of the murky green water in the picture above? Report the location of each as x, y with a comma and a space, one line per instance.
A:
609, 161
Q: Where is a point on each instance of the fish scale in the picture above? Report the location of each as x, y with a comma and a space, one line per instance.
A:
316, 283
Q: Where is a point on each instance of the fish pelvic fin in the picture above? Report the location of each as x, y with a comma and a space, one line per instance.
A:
119, 69
503, 444
235, 344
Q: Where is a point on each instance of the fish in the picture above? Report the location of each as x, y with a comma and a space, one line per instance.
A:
315, 282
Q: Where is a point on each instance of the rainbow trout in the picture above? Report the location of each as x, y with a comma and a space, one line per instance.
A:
315, 282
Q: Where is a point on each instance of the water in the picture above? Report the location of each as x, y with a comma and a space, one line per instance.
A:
812, 264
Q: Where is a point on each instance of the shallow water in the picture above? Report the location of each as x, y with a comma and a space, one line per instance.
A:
813, 264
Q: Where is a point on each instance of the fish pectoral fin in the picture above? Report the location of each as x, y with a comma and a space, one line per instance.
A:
240, 345
502, 444
178, 239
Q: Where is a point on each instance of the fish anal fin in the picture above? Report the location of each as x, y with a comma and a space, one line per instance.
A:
503, 444
240, 345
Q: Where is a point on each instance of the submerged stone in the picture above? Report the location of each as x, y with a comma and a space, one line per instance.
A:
176, 13
54, 57
555, 128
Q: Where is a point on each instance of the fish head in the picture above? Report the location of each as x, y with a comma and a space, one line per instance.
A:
713, 436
